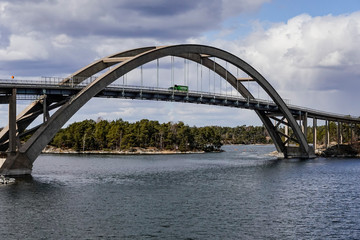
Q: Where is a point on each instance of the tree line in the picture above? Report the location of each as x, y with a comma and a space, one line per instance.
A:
347, 133
122, 135
91, 135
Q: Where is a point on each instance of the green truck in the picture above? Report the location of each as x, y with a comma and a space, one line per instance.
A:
179, 88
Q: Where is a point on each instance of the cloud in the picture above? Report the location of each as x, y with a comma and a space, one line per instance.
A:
126, 18
66, 35
314, 61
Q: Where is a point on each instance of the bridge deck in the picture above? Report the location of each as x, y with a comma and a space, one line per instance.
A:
32, 90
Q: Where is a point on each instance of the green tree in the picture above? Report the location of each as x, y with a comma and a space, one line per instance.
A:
116, 132
101, 131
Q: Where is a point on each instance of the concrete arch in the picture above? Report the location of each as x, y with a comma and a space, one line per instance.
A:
125, 62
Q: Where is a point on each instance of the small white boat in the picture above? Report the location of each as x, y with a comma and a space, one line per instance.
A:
5, 180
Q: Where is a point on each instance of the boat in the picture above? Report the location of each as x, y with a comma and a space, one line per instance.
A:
5, 180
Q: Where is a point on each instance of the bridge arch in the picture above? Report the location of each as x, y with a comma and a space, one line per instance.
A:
124, 62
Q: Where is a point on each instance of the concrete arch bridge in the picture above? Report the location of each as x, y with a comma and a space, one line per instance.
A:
65, 97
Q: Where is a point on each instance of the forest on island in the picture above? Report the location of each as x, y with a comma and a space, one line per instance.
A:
121, 135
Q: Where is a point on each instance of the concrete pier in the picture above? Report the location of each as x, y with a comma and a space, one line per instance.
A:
12, 122
315, 133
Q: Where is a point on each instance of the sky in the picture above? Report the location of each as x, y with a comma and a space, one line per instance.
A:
307, 49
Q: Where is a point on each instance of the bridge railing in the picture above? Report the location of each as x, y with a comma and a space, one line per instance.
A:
56, 81
321, 112
50, 81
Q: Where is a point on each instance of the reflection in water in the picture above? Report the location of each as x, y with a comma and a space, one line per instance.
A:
239, 194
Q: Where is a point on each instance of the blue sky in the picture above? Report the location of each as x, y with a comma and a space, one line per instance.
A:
277, 11
282, 10
308, 50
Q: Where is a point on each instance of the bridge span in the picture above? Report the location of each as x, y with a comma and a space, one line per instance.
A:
285, 123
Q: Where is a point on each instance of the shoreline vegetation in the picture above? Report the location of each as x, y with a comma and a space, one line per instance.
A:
120, 137
150, 137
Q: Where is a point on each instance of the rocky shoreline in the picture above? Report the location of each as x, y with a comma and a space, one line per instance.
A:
341, 150
132, 151
334, 151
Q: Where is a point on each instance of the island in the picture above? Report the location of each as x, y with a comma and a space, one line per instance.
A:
150, 137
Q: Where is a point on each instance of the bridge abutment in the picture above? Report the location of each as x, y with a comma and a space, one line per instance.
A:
296, 152
16, 164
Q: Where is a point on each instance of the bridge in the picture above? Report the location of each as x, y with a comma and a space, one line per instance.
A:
213, 76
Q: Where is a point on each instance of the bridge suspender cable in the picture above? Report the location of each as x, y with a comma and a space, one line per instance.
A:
123, 93
172, 74
214, 74
184, 71
209, 80
141, 72
188, 76
237, 82
220, 83
226, 72
157, 73
197, 77
201, 76
187, 73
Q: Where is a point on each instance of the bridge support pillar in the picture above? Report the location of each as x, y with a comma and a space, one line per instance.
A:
45, 110
301, 122
296, 152
339, 133
305, 127
12, 122
315, 133
355, 135
327, 134
286, 133
15, 163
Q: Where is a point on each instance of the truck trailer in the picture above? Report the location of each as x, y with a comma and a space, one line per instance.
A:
179, 88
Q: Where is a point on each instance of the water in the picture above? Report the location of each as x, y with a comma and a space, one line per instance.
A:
238, 194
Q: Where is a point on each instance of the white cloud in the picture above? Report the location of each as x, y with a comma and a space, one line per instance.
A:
58, 32
61, 41
126, 18
25, 47
314, 61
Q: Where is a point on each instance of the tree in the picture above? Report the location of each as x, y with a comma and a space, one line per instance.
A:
115, 134
101, 131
